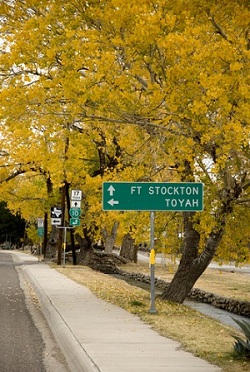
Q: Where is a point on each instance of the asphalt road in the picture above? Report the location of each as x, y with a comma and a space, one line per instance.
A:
26, 343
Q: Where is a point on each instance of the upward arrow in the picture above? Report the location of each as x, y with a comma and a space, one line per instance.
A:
111, 190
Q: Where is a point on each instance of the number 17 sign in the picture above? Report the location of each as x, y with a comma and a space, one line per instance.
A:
76, 195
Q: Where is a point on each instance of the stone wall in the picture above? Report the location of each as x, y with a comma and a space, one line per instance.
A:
228, 304
233, 306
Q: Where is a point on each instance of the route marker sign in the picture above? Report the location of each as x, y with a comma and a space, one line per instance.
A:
75, 207
76, 195
153, 196
75, 212
40, 222
40, 231
74, 222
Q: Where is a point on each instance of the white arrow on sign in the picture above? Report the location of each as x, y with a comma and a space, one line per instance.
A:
111, 190
113, 202
56, 221
75, 204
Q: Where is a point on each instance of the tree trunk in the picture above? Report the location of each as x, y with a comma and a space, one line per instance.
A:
128, 248
192, 264
52, 243
99, 261
110, 239
86, 248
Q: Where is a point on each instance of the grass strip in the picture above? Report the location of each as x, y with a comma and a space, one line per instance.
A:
197, 333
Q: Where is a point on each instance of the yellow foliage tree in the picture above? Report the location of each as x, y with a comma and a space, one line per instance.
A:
146, 91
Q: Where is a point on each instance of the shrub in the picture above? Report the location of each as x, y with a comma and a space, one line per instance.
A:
242, 346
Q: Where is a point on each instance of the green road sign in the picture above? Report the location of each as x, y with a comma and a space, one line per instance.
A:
40, 231
152, 196
74, 222
75, 212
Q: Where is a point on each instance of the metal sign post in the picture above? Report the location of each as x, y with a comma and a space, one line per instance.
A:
152, 309
64, 239
40, 232
153, 196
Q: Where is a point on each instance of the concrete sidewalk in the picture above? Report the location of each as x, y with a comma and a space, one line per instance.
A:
97, 336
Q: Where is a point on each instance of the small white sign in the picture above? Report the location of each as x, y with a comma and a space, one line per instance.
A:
75, 204
76, 195
40, 222
56, 221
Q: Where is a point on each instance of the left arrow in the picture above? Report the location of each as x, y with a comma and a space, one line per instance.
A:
113, 202
111, 190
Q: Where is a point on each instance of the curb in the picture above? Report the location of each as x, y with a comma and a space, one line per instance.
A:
77, 358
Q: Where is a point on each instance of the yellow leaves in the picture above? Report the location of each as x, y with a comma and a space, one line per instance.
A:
32, 234
170, 21
244, 90
127, 62
199, 108
51, 54
69, 33
236, 66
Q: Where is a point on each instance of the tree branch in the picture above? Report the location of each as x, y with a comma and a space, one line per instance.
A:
13, 175
217, 26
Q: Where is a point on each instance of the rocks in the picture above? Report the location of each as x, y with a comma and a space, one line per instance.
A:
231, 305
228, 304
106, 262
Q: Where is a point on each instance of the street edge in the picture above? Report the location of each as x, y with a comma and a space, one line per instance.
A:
77, 358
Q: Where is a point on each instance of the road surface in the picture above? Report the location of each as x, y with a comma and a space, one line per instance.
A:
26, 343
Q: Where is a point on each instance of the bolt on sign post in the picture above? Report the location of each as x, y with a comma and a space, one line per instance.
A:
152, 196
